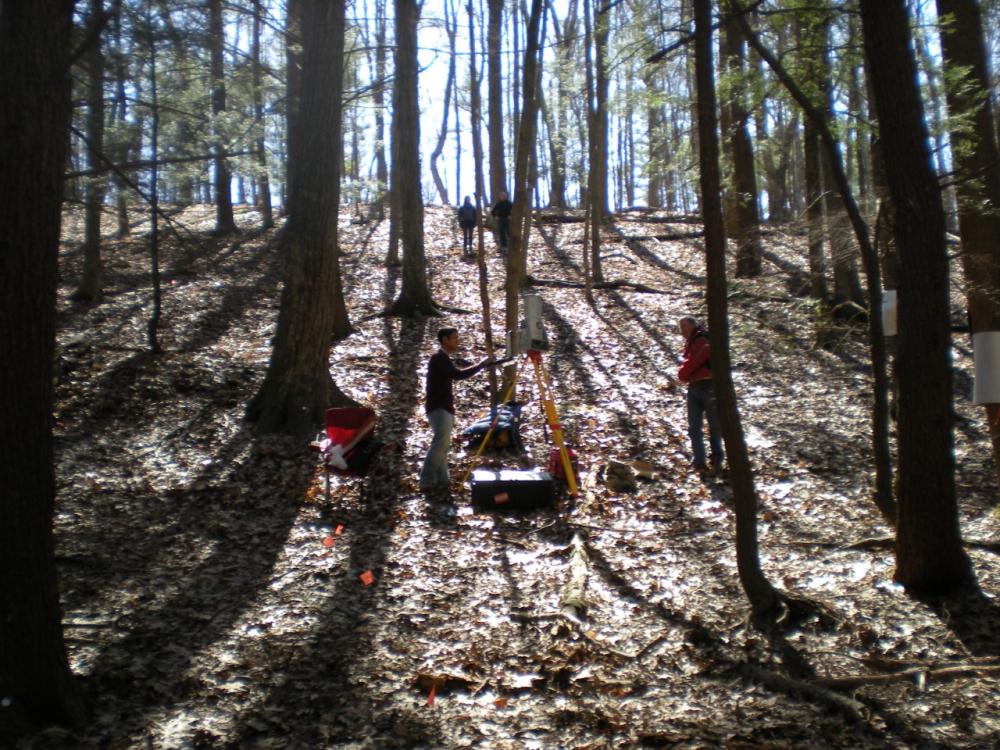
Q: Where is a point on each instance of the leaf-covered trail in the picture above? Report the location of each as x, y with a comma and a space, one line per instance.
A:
214, 599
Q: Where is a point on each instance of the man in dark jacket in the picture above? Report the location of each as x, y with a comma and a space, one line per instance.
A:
440, 408
501, 211
467, 220
696, 372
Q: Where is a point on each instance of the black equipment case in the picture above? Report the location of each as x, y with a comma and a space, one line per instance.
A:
512, 489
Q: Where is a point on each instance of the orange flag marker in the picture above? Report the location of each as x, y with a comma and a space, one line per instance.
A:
367, 578
339, 530
328, 542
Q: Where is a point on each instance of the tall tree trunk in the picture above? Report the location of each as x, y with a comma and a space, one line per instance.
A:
414, 294
443, 134
977, 162
224, 223
297, 388
153, 325
522, 197
495, 124
806, 36
293, 96
557, 164
928, 64
34, 118
475, 117
846, 283
929, 553
818, 288
764, 599
91, 281
456, 9
263, 182
749, 253
655, 137
120, 116
629, 125
378, 96
597, 147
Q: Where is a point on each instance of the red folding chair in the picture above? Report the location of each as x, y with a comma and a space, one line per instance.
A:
347, 448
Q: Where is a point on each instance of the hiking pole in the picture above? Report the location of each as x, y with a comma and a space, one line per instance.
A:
493, 424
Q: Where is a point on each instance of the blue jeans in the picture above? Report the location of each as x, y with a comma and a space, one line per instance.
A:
701, 405
435, 470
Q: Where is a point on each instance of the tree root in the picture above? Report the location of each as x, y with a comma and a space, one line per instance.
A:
888, 542
920, 674
852, 709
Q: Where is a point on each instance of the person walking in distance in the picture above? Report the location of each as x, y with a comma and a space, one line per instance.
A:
467, 221
440, 408
696, 372
501, 212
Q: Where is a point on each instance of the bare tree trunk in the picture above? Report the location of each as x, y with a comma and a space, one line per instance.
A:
297, 388
557, 165
35, 44
522, 198
477, 156
443, 134
818, 287
153, 325
655, 137
378, 96
414, 295
293, 97
91, 281
746, 218
977, 161
764, 599
596, 181
224, 223
929, 553
119, 116
455, 10
495, 124
928, 63
263, 182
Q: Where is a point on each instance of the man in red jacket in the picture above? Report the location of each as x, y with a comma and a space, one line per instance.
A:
696, 372
440, 408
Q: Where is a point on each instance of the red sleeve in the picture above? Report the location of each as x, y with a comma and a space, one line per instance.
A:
694, 359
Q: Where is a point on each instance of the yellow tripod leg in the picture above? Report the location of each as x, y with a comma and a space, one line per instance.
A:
545, 393
489, 432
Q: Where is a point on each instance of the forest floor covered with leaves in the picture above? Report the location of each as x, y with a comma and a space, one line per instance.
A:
214, 598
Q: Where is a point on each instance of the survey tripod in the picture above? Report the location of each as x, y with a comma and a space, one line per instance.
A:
551, 418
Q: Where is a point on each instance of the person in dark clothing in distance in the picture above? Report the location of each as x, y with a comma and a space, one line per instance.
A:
467, 221
695, 371
440, 408
501, 211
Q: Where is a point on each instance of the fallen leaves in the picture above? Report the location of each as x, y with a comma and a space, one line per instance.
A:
250, 574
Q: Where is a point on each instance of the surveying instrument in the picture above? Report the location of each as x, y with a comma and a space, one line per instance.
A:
530, 340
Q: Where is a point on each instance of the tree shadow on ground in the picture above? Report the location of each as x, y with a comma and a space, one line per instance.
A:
972, 616
319, 672
114, 391
190, 573
644, 253
797, 280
